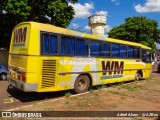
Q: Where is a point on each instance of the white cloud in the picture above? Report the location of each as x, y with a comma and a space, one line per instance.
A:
75, 26
82, 11
116, 2
87, 28
107, 28
102, 13
149, 6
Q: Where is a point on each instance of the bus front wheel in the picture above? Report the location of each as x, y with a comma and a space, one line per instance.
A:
137, 77
82, 84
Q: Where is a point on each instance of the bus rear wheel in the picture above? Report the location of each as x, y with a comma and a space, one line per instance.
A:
82, 84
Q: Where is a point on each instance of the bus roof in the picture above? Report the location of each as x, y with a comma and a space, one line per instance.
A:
59, 30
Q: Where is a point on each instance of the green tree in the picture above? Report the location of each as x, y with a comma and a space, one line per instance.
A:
138, 29
12, 12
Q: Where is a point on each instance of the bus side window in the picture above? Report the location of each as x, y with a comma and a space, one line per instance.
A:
45, 43
105, 49
53, 44
49, 44
123, 51
136, 52
115, 50
81, 47
95, 48
146, 56
67, 45
130, 51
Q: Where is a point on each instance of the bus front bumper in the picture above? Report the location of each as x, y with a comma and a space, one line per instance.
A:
26, 87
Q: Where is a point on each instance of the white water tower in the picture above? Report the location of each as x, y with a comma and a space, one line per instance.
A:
97, 24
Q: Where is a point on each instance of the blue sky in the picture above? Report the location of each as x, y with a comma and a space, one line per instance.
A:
115, 10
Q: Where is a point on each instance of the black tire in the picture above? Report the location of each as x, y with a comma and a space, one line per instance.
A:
82, 84
158, 70
3, 76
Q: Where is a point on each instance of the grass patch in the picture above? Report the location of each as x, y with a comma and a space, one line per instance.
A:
117, 84
148, 79
132, 87
91, 90
120, 84
96, 94
83, 99
68, 94
116, 92
101, 87
66, 103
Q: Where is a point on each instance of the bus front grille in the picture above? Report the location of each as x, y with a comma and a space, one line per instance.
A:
48, 73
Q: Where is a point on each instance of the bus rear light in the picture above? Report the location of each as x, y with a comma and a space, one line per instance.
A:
9, 68
10, 73
19, 77
24, 79
23, 74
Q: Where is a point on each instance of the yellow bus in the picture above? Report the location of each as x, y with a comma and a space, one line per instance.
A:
45, 58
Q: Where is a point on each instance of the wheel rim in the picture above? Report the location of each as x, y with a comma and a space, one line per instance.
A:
81, 84
3, 77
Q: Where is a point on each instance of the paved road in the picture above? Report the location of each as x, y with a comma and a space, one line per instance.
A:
14, 98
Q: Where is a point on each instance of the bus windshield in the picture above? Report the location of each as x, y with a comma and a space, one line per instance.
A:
146, 56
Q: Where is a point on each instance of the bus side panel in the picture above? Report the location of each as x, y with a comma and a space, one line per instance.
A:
114, 71
147, 71
49, 68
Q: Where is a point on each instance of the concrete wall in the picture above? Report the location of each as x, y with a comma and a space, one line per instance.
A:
4, 57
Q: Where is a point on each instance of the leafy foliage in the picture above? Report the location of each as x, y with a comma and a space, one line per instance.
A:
138, 29
12, 12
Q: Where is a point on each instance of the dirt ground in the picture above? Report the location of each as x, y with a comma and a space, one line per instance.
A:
133, 96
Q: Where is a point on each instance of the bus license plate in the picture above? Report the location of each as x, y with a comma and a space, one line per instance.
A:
14, 75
